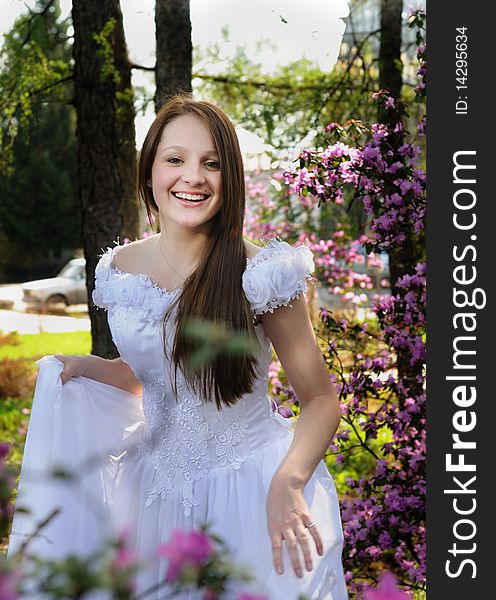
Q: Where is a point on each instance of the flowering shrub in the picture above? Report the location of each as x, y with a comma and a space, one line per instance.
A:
378, 367
338, 259
196, 559
382, 173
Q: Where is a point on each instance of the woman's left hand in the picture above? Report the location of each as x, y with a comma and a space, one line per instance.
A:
288, 518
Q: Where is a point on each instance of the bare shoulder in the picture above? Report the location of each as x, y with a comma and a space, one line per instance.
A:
132, 256
251, 249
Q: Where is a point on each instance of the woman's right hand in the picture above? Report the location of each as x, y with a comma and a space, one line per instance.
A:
74, 366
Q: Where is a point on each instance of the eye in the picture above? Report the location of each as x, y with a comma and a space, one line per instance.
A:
213, 164
174, 160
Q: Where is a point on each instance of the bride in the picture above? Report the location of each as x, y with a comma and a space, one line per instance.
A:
166, 446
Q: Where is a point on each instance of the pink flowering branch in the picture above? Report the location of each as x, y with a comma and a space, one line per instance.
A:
378, 368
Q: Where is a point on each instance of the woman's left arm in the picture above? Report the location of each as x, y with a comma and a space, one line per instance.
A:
291, 333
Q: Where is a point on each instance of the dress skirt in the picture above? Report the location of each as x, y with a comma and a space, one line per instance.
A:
91, 435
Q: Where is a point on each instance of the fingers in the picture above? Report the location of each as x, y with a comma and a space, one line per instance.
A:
297, 539
73, 366
64, 377
277, 551
303, 539
314, 532
67, 371
292, 545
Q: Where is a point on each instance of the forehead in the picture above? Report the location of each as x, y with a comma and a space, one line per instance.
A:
189, 132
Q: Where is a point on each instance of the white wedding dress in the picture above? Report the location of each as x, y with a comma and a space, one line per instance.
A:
149, 465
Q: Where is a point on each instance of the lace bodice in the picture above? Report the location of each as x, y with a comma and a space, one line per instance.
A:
187, 439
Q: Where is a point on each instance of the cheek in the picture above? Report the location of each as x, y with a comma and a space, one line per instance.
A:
218, 186
161, 179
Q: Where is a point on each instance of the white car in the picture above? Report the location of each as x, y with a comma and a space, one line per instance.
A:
69, 287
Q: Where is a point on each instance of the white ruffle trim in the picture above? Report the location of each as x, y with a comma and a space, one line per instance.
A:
114, 287
277, 274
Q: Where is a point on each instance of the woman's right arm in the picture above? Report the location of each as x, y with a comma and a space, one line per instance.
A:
114, 372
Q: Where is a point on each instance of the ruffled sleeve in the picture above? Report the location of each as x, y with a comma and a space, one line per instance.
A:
132, 291
100, 295
276, 275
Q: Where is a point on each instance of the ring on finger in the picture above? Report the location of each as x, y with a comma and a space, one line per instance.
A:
310, 525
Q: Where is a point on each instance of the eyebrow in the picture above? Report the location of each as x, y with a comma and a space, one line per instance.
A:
183, 148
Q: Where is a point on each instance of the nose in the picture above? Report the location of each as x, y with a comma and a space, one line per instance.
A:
193, 175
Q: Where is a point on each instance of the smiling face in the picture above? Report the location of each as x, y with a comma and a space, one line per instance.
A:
185, 175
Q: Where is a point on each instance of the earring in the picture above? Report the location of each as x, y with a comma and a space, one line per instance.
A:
149, 183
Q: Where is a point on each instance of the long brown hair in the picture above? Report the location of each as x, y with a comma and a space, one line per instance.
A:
213, 292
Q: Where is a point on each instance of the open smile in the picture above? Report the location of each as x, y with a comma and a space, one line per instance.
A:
196, 198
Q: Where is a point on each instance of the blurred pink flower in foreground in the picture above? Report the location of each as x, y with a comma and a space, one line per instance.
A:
245, 596
386, 590
185, 549
4, 450
125, 558
8, 585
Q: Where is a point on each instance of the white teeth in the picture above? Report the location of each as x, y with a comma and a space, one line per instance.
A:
190, 196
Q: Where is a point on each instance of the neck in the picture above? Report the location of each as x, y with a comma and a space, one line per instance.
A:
181, 245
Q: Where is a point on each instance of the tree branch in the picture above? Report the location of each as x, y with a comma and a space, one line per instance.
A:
259, 84
32, 17
33, 93
142, 67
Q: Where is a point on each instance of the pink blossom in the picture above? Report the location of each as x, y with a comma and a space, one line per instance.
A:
421, 127
4, 450
371, 153
394, 167
125, 558
386, 590
185, 549
9, 581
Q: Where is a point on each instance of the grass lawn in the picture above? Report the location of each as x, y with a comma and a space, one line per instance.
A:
18, 354
35, 345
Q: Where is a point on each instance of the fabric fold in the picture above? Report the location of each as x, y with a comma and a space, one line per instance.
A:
68, 464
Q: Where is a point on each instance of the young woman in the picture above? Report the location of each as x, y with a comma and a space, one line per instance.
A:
176, 448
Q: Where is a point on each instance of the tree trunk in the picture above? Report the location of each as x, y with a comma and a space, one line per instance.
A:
402, 259
390, 65
174, 49
106, 142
